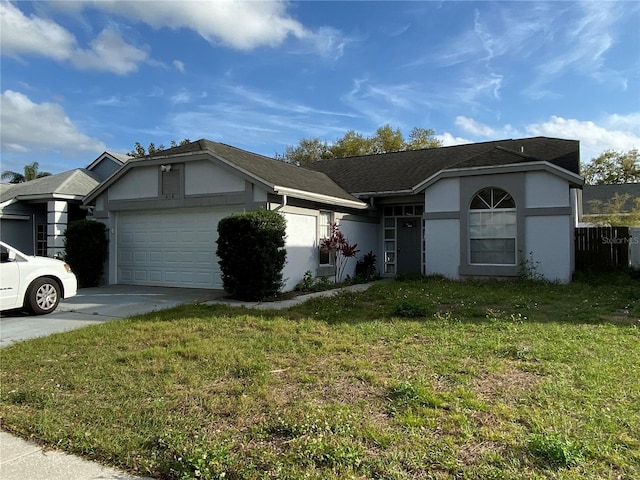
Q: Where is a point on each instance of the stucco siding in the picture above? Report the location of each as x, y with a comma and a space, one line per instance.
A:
367, 236
442, 247
301, 245
140, 182
543, 189
443, 196
549, 246
204, 177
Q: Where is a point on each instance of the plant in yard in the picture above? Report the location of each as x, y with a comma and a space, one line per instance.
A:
557, 451
366, 267
252, 254
338, 245
410, 308
86, 246
528, 269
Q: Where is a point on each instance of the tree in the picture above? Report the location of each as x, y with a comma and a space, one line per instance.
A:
307, 149
612, 212
386, 139
30, 173
613, 167
139, 150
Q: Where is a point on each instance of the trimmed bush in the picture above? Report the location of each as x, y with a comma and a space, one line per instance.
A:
86, 245
252, 254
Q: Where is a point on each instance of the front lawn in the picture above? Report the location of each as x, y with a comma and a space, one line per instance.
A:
416, 379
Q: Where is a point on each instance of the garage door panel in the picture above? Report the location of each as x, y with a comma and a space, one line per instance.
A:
175, 248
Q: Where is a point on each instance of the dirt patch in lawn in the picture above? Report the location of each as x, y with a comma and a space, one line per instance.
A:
507, 386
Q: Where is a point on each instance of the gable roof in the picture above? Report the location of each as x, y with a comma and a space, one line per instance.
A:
605, 193
72, 184
117, 158
280, 177
401, 172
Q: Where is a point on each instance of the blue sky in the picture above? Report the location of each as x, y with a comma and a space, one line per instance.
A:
81, 77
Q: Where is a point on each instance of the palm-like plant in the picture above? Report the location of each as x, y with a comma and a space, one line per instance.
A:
30, 173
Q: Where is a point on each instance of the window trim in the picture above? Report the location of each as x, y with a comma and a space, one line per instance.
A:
323, 229
492, 208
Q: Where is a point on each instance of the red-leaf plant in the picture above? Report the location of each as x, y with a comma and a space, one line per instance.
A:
338, 244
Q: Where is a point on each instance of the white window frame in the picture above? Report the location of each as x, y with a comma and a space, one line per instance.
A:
494, 224
324, 231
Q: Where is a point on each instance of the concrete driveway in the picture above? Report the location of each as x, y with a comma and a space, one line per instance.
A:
97, 305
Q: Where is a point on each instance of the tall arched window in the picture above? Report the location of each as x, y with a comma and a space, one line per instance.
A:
492, 228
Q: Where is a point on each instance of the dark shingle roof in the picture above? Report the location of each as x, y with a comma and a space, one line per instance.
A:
268, 169
605, 193
78, 182
401, 171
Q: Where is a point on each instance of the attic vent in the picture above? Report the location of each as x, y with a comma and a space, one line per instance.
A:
522, 149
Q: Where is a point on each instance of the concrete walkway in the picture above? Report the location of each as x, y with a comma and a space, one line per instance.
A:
22, 460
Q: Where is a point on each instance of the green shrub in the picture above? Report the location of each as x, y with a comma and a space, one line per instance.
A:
366, 267
410, 308
252, 255
557, 451
86, 245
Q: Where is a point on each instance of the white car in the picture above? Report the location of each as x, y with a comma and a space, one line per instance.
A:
34, 283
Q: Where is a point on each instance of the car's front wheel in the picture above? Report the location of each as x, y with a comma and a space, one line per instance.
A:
43, 296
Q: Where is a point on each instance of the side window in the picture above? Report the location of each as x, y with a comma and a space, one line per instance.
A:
324, 231
4, 254
492, 228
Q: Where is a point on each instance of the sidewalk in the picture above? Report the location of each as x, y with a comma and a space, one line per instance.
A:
20, 460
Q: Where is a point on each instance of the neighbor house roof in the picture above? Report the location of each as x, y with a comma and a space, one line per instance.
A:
604, 193
72, 184
403, 171
118, 158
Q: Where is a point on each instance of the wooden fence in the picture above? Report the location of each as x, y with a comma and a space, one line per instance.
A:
602, 248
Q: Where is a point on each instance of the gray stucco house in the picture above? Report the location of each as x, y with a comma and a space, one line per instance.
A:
467, 211
34, 215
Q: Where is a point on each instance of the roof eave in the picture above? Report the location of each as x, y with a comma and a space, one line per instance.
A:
384, 193
574, 179
317, 197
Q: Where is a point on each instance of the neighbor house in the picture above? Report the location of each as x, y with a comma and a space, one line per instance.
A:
477, 210
34, 215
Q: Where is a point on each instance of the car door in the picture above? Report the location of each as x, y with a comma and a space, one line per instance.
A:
9, 280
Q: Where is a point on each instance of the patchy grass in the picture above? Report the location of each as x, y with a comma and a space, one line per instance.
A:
417, 379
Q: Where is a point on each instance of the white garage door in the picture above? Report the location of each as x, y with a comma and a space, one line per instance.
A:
175, 248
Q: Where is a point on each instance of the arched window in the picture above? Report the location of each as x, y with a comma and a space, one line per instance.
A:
492, 228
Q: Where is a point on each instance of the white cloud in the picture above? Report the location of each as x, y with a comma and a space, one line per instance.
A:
179, 65
387, 103
449, 140
613, 132
594, 138
33, 35
475, 128
40, 127
243, 25
183, 96
109, 53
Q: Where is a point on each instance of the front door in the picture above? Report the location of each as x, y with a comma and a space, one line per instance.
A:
409, 245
